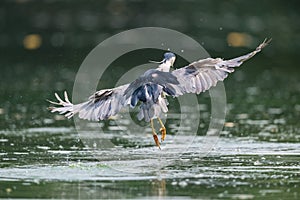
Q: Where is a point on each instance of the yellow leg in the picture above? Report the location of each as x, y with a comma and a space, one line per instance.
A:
154, 134
162, 130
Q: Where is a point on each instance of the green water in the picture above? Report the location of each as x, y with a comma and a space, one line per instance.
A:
257, 155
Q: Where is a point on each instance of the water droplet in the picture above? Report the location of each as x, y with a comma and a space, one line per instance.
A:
174, 183
8, 190
182, 184
257, 163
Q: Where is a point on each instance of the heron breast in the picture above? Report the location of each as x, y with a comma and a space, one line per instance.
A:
146, 93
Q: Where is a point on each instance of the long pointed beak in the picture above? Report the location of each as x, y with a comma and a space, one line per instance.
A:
157, 62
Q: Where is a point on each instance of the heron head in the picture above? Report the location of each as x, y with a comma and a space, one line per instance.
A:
169, 57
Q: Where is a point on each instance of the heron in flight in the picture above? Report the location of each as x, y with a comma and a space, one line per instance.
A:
151, 88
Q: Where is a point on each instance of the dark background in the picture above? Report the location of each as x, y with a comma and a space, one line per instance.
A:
43, 43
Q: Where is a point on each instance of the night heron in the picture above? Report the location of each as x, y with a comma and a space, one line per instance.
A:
151, 89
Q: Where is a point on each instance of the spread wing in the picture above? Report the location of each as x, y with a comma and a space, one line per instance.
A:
197, 77
201, 75
101, 105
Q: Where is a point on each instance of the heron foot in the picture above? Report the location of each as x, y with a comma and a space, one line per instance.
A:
156, 140
163, 131
154, 134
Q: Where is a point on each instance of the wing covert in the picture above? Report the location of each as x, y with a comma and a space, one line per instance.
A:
203, 74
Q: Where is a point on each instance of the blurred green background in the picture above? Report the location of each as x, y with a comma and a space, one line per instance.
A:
43, 44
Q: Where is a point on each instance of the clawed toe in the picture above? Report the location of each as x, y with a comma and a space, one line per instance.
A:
156, 141
162, 130
163, 133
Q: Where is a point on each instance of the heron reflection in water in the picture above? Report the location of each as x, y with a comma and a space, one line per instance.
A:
149, 91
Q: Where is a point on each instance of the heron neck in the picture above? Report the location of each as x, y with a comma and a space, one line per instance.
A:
165, 66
